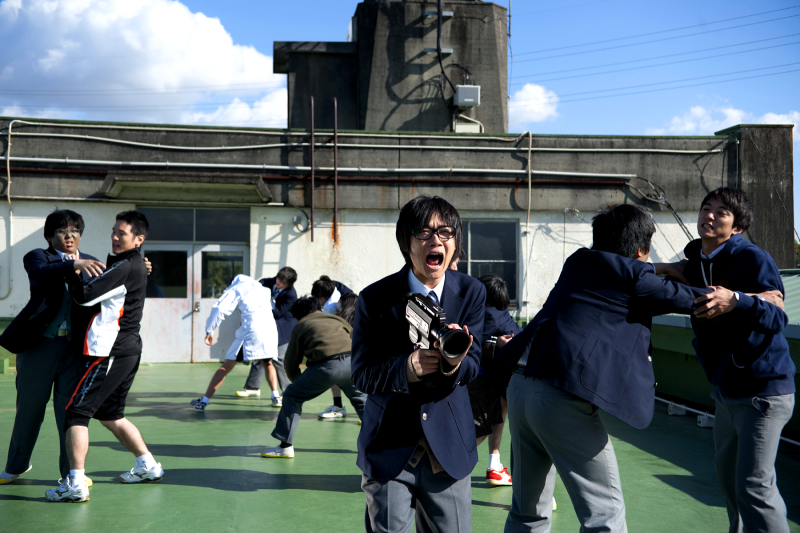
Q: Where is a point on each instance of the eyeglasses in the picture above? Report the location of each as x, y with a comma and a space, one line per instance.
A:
445, 233
72, 231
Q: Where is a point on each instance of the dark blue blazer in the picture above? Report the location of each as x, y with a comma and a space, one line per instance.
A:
497, 323
47, 274
282, 313
592, 336
396, 412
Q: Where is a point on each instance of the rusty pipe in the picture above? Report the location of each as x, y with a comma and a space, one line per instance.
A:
369, 179
312, 169
335, 168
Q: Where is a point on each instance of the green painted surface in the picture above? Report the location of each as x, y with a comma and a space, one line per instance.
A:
216, 480
791, 284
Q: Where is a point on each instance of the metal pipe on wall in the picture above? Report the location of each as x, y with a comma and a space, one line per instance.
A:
312, 169
335, 169
371, 179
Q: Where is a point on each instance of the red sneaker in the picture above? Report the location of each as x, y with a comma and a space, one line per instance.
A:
498, 477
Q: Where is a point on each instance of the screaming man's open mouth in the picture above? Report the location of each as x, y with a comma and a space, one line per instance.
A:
434, 259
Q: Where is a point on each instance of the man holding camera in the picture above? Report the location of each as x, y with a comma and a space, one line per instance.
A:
417, 447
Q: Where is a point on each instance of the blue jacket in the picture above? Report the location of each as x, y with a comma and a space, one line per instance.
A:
592, 336
397, 413
744, 353
497, 323
282, 313
47, 274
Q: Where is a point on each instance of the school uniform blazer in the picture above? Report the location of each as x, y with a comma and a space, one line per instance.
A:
397, 412
592, 336
47, 274
282, 313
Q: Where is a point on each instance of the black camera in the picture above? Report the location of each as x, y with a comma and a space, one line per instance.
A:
489, 348
427, 323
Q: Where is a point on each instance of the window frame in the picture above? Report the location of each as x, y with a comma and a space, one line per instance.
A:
466, 224
194, 224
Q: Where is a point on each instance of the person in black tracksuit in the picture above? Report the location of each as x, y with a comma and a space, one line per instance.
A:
110, 358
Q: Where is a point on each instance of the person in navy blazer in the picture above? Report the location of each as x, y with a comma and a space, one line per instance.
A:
44, 335
588, 348
416, 447
281, 311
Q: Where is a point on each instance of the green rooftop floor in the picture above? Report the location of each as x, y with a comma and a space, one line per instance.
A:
217, 481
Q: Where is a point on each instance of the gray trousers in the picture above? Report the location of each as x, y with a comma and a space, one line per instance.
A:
746, 436
44, 368
551, 430
314, 381
256, 375
436, 502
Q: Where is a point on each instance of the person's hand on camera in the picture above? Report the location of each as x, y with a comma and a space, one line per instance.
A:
452, 363
90, 267
209, 340
425, 361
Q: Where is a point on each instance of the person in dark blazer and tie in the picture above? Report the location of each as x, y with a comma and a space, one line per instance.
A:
43, 335
587, 349
416, 447
283, 298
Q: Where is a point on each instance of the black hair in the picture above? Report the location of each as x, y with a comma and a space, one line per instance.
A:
622, 229
737, 203
323, 288
137, 220
305, 306
288, 276
496, 291
417, 213
62, 218
346, 308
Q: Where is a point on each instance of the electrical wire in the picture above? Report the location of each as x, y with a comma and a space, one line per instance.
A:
738, 52
660, 31
659, 196
663, 39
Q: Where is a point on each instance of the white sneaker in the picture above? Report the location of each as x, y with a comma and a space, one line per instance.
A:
139, 474
5, 477
67, 492
278, 452
277, 401
333, 412
247, 393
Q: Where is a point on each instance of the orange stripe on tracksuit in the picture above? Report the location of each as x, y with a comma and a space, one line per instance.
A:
91, 367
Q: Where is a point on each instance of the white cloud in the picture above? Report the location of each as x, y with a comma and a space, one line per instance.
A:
701, 120
532, 103
143, 61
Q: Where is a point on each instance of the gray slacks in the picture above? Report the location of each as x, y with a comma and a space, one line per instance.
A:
256, 375
551, 430
46, 367
436, 502
314, 381
746, 436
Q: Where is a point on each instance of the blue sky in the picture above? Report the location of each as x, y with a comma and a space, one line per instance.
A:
683, 67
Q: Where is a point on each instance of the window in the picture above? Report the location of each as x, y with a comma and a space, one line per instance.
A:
199, 225
491, 248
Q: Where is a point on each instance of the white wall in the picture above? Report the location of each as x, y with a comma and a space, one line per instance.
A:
28, 233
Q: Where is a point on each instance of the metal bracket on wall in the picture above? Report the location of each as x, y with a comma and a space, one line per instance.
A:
445, 51
432, 14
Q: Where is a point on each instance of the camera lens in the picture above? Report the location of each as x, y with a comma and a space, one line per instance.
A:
453, 342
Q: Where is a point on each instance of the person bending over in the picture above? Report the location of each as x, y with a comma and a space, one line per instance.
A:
256, 339
416, 447
112, 350
283, 298
488, 400
324, 340
329, 292
587, 349
745, 355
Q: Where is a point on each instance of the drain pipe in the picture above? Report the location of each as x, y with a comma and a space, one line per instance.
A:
312, 169
9, 246
707, 414
335, 169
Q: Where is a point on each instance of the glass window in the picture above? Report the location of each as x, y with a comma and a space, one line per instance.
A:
222, 225
491, 248
217, 272
168, 279
169, 224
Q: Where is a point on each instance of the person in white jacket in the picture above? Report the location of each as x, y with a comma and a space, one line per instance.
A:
256, 339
